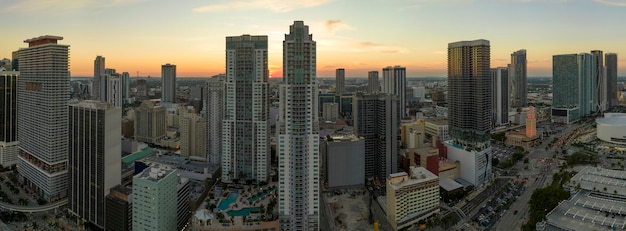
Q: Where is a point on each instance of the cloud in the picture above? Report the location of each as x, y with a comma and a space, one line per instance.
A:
63, 5
273, 5
377, 48
612, 2
336, 25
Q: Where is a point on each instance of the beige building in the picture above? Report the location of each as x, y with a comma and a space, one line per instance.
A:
437, 127
150, 123
192, 137
416, 127
330, 111
411, 197
527, 138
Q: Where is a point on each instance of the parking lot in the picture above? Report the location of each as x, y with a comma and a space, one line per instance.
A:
496, 207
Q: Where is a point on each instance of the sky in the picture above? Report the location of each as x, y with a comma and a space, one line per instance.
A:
138, 36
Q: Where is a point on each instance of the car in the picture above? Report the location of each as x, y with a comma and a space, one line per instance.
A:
515, 212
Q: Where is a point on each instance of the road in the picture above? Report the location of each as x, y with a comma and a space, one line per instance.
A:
537, 176
32, 209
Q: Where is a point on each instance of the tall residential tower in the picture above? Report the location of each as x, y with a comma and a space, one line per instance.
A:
168, 83
214, 114
517, 80
245, 128
394, 83
43, 116
298, 133
610, 60
340, 81
372, 82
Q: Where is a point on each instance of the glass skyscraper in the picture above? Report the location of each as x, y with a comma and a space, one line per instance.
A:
517, 80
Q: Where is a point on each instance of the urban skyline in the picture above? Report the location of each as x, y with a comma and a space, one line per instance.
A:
196, 44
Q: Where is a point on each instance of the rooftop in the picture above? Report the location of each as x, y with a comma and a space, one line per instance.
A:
437, 121
155, 173
613, 119
403, 179
449, 184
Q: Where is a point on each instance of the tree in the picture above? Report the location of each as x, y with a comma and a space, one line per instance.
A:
542, 201
526, 160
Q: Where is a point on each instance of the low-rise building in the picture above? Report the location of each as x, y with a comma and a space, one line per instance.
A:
437, 127
411, 197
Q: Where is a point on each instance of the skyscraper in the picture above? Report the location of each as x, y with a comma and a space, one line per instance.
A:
155, 199
372, 82
168, 83
611, 78
150, 123
245, 128
469, 108
394, 83
94, 158
500, 96
125, 87
8, 117
340, 81
574, 87
114, 90
298, 133
517, 79
43, 116
98, 71
142, 88
214, 114
600, 78
192, 136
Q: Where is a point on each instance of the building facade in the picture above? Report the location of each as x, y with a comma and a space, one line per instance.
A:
470, 108
150, 123
168, 83
114, 91
394, 83
344, 161
340, 81
214, 114
517, 80
98, 71
155, 199
411, 197
94, 158
245, 128
373, 85
574, 87
42, 102
330, 111
500, 96
8, 118
119, 213
298, 133
610, 60
193, 137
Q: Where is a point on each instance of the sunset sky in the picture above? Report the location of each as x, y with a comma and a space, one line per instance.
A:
358, 35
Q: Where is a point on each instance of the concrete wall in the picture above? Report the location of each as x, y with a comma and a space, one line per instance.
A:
346, 163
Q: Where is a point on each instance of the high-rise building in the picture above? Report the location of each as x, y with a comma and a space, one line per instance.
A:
517, 80
411, 197
610, 60
214, 114
193, 136
394, 83
372, 82
600, 79
298, 133
500, 96
168, 83
142, 88
574, 87
114, 90
531, 122
125, 87
376, 116
470, 108
155, 199
330, 112
150, 123
8, 117
98, 71
340, 81
15, 60
118, 207
94, 158
245, 128
42, 116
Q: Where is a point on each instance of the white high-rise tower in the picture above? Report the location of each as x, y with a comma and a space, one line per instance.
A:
43, 116
298, 133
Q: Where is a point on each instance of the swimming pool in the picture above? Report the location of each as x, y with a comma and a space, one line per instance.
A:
243, 212
225, 203
260, 195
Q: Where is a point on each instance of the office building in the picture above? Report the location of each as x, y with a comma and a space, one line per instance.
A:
600, 77
330, 112
298, 133
142, 88
94, 158
183, 213
574, 87
214, 114
8, 117
125, 87
517, 80
340, 81
500, 96
411, 197
245, 127
610, 60
372, 82
98, 71
437, 127
394, 83
193, 136
119, 213
42, 102
168, 83
155, 199
150, 124
470, 108
377, 116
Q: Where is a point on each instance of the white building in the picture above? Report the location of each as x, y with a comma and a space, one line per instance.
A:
168, 83
330, 111
155, 199
245, 128
411, 197
419, 93
43, 116
298, 133
213, 111
114, 91
94, 158
612, 128
475, 164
